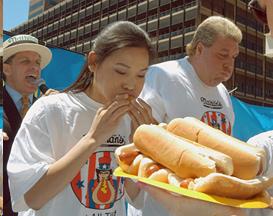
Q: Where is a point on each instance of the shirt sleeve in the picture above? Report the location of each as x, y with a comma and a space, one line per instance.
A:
265, 141
151, 93
30, 157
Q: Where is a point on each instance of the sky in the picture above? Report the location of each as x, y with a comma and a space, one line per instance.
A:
15, 13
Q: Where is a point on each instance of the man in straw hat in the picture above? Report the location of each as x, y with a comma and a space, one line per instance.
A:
23, 60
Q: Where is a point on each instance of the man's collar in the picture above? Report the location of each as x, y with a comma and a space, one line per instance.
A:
15, 95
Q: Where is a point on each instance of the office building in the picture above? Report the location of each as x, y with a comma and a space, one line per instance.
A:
73, 24
37, 7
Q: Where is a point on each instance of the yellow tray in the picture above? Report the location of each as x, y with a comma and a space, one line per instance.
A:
260, 201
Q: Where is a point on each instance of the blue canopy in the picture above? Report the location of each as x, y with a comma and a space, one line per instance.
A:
251, 119
63, 69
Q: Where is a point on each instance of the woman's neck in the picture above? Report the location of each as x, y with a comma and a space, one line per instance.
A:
94, 94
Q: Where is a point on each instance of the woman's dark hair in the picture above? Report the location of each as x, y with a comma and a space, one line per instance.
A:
115, 36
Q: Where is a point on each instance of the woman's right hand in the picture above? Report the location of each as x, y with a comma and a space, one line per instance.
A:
140, 113
108, 117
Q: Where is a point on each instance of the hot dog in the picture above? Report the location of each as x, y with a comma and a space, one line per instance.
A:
133, 162
223, 185
179, 182
230, 186
223, 162
248, 161
128, 158
152, 170
179, 155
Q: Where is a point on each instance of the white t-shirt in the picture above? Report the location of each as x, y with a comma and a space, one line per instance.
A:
265, 141
174, 90
50, 129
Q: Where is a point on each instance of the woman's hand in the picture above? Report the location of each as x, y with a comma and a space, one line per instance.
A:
180, 205
140, 113
108, 117
51, 92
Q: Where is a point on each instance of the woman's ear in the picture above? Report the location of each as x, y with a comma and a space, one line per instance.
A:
92, 61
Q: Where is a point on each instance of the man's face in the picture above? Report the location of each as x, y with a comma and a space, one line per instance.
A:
22, 71
217, 61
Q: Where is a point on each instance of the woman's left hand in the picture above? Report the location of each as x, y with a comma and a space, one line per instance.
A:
51, 92
140, 113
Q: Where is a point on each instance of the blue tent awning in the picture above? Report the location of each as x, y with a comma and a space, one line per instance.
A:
251, 119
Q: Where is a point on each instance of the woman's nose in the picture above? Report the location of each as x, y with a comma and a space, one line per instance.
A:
129, 84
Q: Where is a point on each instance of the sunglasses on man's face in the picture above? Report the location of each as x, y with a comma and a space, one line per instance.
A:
258, 12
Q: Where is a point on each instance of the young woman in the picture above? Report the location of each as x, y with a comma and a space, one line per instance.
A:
62, 160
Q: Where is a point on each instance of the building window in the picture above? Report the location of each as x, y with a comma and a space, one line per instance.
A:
36, 5
36, 13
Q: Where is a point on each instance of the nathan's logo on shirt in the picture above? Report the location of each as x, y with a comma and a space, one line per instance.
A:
116, 139
217, 120
213, 104
95, 186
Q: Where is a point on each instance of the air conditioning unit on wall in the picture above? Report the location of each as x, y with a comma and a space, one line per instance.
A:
269, 45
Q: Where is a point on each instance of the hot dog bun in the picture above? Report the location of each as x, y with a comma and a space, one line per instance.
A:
181, 157
229, 186
223, 162
214, 183
163, 125
174, 180
128, 158
152, 170
178, 182
247, 160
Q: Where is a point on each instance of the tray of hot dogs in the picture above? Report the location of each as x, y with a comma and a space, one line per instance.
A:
193, 159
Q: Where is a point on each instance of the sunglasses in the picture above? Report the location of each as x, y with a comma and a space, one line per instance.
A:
258, 12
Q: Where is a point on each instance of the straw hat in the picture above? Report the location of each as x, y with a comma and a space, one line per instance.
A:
20, 43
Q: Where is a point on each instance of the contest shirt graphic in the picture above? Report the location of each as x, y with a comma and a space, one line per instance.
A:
214, 117
95, 186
